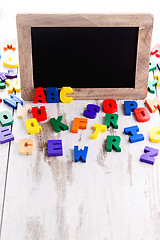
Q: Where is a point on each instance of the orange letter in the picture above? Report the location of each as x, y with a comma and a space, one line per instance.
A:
153, 104
79, 123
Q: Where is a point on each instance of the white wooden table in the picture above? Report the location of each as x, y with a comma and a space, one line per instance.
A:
113, 196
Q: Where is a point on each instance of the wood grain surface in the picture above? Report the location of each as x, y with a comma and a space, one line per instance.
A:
4, 148
112, 196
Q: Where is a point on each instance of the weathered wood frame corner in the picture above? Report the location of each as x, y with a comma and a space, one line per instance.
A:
143, 21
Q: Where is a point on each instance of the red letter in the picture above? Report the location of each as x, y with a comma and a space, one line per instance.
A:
142, 114
40, 115
109, 106
39, 96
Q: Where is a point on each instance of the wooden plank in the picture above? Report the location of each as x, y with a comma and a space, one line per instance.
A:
112, 196
55, 198
77, 20
143, 21
4, 148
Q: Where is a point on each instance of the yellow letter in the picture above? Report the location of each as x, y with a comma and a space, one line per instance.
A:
63, 92
157, 77
32, 126
153, 136
98, 128
13, 85
11, 62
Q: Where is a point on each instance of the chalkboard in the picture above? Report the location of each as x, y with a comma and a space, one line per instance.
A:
84, 57
99, 55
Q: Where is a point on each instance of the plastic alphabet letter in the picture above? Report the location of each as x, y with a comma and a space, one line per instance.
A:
91, 111
11, 62
25, 146
55, 148
52, 95
154, 134
13, 85
111, 119
3, 76
152, 85
2, 85
157, 75
109, 106
158, 84
32, 126
156, 50
6, 118
40, 114
152, 65
134, 136
12, 102
58, 125
148, 156
80, 154
63, 92
113, 142
142, 114
23, 110
98, 128
11, 74
5, 135
39, 96
129, 107
9, 44
79, 123
153, 104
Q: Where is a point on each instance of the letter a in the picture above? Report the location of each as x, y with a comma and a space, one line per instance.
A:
39, 96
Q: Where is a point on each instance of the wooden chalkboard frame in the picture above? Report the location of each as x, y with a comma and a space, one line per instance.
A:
143, 21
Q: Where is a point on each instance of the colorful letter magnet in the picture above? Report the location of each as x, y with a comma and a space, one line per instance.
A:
148, 156
91, 111
5, 135
142, 114
32, 126
111, 119
156, 50
11, 62
152, 65
80, 154
55, 148
25, 146
113, 142
52, 95
134, 136
129, 107
11, 74
58, 125
109, 106
6, 118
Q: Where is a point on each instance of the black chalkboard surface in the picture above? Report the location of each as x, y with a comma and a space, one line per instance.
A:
84, 57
